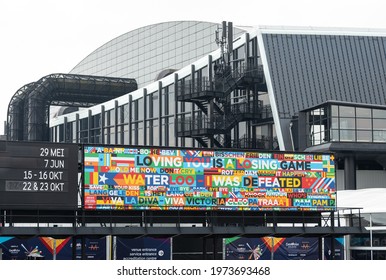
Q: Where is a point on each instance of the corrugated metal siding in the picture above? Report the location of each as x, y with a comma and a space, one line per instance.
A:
307, 70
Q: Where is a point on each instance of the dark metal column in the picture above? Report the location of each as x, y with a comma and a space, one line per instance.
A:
175, 110
144, 140
77, 125
130, 119
193, 116
103, 124
89, 124
350, 178
210, 107
65, 124
160, 130
116, 122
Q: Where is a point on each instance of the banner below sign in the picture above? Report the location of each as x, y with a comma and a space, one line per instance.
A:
272, 248
145, 248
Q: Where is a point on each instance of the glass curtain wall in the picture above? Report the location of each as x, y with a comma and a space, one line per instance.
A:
343, 123
370, 246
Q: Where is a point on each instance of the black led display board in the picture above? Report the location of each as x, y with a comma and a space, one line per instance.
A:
38, 175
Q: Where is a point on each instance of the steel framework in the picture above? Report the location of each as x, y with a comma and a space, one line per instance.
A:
28, 110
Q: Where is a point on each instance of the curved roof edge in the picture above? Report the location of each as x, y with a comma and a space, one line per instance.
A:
144, 27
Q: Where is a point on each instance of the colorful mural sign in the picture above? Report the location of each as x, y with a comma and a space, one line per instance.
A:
133, 178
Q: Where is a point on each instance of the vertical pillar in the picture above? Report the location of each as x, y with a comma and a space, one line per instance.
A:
89, 123
193, 117
210, 107
175, 110
116, 122
77, 128
214, 247
247, 49
130, 119
350, 173
303, 140
65, 135
160, 130
230, 38
204, 250
144, 117
103, 118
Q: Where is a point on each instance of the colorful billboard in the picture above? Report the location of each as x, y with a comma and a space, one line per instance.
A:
141, 178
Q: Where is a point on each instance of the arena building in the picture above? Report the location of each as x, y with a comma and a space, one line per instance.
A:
200, 84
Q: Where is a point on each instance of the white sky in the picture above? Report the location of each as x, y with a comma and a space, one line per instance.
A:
41, 37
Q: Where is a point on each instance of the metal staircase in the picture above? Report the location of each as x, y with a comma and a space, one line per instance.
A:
215, 94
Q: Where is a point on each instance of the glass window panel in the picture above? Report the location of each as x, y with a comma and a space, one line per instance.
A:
377, 113
379, 219
140, 134
155, 133
317, 112
379, 124
171, 133
334, 111
126, 113
364, 136
363, 112
334, 123
379, 240
345, 111
165, 133
347, 123
363, 124
379, 136
347, 135
360, 240
134, 134
316, 138
360, 255
112, 135
155, 104
379, 255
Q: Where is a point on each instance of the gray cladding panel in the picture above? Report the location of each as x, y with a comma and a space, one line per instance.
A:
307, 70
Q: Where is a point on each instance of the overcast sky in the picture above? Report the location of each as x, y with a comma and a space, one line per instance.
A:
41, 37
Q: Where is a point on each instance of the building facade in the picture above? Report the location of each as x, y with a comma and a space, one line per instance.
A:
207, 85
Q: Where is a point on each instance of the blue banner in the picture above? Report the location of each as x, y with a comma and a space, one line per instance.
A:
145, 248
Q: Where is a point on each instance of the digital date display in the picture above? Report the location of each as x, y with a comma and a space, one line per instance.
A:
48, 175
43, 175
34, 186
